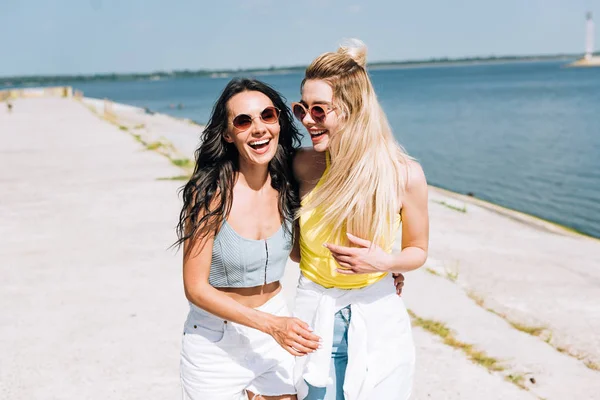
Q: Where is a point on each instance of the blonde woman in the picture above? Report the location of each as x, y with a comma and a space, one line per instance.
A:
357, 185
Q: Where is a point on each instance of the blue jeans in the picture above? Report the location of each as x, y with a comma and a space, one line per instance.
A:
339, 360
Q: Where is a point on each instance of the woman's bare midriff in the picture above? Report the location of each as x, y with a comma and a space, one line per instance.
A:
253, 297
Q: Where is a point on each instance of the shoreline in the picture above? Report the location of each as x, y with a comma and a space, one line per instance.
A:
521, 216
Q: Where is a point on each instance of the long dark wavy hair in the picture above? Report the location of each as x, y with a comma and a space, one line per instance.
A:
208, 195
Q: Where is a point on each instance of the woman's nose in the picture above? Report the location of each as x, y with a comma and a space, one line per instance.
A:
258, 126
307, 119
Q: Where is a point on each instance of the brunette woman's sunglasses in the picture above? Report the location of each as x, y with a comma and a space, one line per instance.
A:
318, 112
269, 115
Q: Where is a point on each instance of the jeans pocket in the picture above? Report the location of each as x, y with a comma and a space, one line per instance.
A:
210, 329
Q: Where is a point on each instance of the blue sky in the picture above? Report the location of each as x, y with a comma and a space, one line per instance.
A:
96, 36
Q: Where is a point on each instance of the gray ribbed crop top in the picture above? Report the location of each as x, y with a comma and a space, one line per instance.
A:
241, 262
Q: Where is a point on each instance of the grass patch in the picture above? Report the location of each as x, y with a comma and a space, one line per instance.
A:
166, 149
452, 274
440, 329
457, 344
123, 128
517, 379
175, 178
155, 145
182, 162
542, 332
435, 327
452, 269
477, 298
592, 365
561, 349
462, 209
532, 330
140, 126
488, 362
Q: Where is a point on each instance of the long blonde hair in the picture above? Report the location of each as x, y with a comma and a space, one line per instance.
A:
360, 193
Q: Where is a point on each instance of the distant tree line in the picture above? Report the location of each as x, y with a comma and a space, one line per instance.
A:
44, 80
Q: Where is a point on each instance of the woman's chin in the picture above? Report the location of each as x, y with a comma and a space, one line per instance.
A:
261, 157
321, 146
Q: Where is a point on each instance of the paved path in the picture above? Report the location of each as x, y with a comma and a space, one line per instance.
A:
93, 303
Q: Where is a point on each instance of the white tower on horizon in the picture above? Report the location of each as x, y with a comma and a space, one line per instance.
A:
589, 37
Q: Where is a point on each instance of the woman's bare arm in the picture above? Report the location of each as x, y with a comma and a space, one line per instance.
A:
291, 333
370, 258
415, 223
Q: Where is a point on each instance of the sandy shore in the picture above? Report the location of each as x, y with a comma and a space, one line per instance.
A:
93, 303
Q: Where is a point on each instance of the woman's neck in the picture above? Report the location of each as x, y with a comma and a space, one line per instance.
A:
254, 176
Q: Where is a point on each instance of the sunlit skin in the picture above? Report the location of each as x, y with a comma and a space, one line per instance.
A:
319, 92
252, 159
254, 215
366, 257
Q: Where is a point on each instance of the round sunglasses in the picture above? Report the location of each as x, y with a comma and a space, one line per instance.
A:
269, 115
318, 112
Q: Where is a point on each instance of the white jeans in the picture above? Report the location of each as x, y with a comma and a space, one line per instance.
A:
221, 359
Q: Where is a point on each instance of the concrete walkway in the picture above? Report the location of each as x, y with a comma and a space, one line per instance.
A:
93, 304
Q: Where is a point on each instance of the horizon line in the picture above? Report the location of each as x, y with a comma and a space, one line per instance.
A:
430, 60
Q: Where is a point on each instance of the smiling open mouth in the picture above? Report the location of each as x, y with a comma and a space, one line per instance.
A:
318, 133
259, 144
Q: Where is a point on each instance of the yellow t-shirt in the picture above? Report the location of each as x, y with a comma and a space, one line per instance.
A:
316, 262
